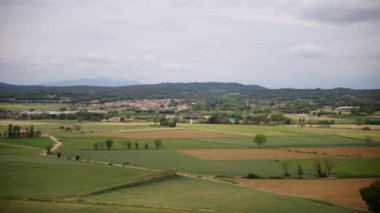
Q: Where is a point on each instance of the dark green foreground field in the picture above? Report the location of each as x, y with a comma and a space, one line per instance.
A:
32, 183
35, 183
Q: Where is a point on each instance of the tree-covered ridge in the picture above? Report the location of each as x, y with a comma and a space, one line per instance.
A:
148, 91
206, 91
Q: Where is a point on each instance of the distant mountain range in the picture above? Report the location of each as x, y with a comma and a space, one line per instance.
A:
196, 91
99, 82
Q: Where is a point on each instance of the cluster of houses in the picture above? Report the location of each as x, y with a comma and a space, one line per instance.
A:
156, 105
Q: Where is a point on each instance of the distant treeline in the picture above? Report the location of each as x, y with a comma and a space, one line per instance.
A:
206, 96
178, 90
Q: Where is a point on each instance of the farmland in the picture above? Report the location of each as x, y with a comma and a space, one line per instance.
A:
333, 190
199, 153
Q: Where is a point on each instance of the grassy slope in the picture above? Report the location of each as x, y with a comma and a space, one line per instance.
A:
34, 142
221, 197
18, 206
79, 142
24, 173
170, 159
18, 107
52, 126
252, 130
344, 168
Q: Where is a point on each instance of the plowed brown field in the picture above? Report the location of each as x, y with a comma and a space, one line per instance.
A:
344, 192
246, 154
180, 133
365, 152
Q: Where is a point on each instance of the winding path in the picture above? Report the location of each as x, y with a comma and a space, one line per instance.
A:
57, 143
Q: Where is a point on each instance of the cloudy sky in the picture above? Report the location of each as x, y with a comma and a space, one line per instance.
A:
277, 44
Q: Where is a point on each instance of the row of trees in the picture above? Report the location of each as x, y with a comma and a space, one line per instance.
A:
15, 131
75, 128
163, 121
108, 144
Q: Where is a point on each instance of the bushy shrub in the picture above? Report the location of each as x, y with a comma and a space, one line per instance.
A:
252, 176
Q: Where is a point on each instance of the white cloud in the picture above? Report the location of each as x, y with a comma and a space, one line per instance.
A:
172, 66
150, 58
307, 50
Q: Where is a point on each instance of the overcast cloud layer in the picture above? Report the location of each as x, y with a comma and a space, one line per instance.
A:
284, 43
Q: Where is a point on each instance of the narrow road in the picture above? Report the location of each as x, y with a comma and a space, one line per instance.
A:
57, 143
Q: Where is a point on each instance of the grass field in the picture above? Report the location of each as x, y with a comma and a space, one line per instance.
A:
85, 142
25, 174
36, 176
211, 196
170, 159
18, 107
22, 206
34, 142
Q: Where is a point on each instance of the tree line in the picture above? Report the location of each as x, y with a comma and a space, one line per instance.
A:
16, 131
127, 145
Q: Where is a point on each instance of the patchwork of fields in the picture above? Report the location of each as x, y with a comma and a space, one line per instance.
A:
209, 156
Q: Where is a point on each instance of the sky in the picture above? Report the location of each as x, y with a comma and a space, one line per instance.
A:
272, 43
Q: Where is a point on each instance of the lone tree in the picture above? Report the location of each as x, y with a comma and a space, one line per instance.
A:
10, 131
329, 165
68, 129
157, 143
317, 165
300, 172
371, 195
285, 166
48, 148
96, 145
127, 144
31, 131
77, 128
136, 145
260, 139
109, 144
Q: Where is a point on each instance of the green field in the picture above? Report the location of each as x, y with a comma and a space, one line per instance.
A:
18, 107
27, 175
170, 159
345, 168
34, 142
35, 176
211, 196
75, 143
22, 206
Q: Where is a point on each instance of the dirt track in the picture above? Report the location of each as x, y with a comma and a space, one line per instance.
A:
344, 192
246, 154
180, 133
365, 152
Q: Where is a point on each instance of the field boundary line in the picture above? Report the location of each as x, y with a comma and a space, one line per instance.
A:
17, 145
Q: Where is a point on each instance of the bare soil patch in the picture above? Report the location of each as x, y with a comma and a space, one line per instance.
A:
344, 192
180, 133
364, 152
246, 154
